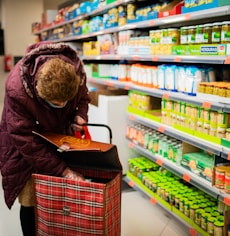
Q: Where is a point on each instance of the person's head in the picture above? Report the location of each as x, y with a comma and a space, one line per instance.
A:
57, 82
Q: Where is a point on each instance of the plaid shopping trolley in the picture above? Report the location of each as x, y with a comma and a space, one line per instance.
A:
65, 207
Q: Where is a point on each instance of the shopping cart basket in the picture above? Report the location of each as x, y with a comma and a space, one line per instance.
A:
65, 207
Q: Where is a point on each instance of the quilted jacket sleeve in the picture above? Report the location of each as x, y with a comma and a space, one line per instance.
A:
20, 124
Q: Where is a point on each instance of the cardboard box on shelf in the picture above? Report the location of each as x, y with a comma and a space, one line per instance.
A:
108, 43
197, 161
108, 92
173, 8
91, 48
101, 70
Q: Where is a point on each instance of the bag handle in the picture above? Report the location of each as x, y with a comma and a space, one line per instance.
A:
87, 134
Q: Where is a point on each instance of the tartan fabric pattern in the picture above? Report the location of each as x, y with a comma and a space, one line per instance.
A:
66, 207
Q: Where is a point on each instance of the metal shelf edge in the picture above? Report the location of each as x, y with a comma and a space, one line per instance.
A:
168, 130
180, 172
162, 58
139, 189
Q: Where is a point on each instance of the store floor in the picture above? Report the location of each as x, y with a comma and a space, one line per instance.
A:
139, 217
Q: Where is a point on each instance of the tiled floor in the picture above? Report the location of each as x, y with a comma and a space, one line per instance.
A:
139, 216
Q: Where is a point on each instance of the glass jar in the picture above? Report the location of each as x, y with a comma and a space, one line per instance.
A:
210, 225
218, 228
199, 34
191, 34
207, 33
219, 177
216, 32
225, 32
184, 35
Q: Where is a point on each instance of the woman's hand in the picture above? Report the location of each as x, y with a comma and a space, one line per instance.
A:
78, 122
70, 174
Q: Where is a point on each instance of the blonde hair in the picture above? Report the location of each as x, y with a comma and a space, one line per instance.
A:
57, 80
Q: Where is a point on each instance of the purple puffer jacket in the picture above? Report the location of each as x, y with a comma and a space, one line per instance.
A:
21, 153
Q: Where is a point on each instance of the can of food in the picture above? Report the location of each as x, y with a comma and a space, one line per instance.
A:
210, 225
222, 122
227, 136
213, 123
194, 117
187, 204
200, 119
198, 214
227, 181
204, 220
206, 124
218, 228
192, 212
220, 176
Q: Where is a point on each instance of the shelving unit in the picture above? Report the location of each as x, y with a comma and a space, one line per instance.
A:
163, 58
192, 228
214, 105
183, 19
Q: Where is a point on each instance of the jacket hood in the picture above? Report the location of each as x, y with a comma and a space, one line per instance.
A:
37, 54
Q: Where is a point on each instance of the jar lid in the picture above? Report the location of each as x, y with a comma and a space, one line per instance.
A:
217, 23
219, 223
211, 219
225, 22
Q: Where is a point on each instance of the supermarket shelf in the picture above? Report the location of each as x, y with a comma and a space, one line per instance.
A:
160, 93
98, 11
225, 153
184, 174
154, 199
181, 172
204, 14
168, 130
163, 58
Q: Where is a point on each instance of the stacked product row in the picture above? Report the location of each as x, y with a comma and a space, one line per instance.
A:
196, 118
189, 118
205, 39
201, 209
182, 154
168, 77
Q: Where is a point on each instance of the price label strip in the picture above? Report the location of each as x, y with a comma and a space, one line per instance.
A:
131, 184
187, 178
207, 105
192, 232
161, 129
131, 145
153, 201
227, 201
159, 162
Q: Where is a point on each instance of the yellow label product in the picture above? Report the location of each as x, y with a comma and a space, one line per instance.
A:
218, 228
206, 124
227, 181
216, 32
210, 225
184, 35
225, 32
222, 122
213, 123
220, 176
